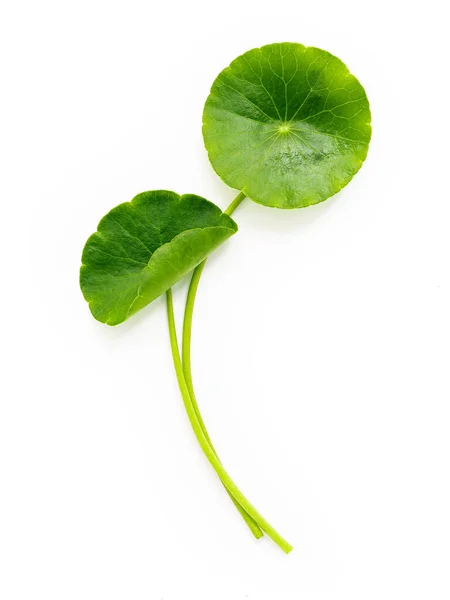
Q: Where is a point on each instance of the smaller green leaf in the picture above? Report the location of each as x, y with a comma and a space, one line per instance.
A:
141, 248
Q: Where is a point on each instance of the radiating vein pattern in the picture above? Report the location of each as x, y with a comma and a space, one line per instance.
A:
287, 124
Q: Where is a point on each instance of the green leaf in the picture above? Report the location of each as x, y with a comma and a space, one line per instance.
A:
141, 248
287, 125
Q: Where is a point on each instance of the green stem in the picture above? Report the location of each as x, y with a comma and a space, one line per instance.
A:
189, 311
186, 353
233, 206
187, 327
209, 453
187, 330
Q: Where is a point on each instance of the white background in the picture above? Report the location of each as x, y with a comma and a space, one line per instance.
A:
321, 336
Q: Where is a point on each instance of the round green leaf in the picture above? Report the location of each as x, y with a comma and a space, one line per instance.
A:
141, 248
287, 125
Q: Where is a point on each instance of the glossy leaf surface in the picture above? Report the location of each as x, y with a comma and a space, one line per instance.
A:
141, 248
286, 124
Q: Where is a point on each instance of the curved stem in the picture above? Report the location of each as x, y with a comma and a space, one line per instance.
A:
209, 453
189, 311
187, 326
186, 361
